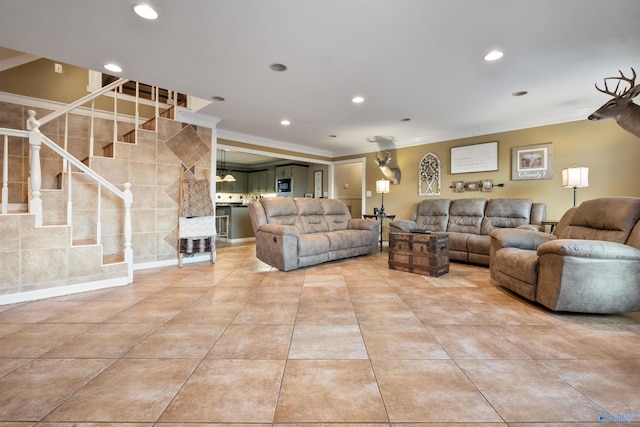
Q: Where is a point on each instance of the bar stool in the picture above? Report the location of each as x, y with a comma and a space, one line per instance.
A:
220, 220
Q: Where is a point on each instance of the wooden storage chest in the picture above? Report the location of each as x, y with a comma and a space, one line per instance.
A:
419, 253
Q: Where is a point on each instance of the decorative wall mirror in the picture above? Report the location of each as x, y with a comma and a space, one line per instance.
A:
429, 175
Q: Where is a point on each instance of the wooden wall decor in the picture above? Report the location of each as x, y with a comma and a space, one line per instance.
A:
429, 176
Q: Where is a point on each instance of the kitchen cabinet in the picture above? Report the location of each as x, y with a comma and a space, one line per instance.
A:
253, 184
271, 181
239, 225
238, 186
284, 171
299, 175
262, 181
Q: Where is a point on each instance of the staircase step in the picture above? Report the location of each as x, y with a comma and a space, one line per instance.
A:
112, 258
129, 137
17, 211
83, 242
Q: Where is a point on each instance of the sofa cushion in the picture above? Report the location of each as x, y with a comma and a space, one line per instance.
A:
280, 210
336, 213
517, 270
505, 213
609, 218
313, 244
465, 215
634, 237
479, 244
312, 217
433, 214
458, 241
565, 220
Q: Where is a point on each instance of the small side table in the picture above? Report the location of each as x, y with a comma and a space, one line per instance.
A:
552, 225
381, 217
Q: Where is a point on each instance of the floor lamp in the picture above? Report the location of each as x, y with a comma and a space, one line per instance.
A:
575, 177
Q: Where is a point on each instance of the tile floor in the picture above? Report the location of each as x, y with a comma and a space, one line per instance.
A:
349, 342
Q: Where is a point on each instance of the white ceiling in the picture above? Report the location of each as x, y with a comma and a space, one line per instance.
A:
417, 59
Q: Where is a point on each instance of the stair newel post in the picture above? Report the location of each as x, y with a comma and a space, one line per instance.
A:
35, 203
128, 250
5, 176
91, 137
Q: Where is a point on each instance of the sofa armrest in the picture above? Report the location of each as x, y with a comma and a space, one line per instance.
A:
519, 238
280, 230
362, 224
595, 249
402, 225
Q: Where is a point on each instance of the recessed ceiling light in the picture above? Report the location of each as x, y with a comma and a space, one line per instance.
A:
333, 136
357, 100
113, 68
145, 11
520, 93
278, 67
493, 55
285, 122
406, 119
217, 98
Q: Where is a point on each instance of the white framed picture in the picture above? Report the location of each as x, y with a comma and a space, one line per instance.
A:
317, 184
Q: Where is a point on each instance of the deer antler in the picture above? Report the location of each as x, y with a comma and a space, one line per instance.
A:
631, 81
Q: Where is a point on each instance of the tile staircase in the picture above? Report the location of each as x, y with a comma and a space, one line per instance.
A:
86, 260
83, 230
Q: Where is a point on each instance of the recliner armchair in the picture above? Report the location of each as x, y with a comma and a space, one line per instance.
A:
589, 264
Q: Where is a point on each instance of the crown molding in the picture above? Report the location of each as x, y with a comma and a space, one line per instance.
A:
443, 135
272, 143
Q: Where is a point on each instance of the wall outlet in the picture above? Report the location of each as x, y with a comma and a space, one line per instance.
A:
57, 68
368, 193
346, 186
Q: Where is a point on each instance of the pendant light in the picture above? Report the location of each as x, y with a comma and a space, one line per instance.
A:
228, 177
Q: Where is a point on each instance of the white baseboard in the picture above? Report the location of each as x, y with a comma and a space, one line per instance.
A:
62, 291
169, 262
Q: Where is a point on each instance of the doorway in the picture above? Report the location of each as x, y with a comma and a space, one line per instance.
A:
349, 185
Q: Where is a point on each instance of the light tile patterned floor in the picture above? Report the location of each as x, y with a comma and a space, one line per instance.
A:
349, 342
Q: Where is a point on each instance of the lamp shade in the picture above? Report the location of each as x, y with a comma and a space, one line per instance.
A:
228, 178
575, 177
382, 186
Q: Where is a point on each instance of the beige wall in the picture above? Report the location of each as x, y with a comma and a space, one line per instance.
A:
611, 154
37, 79
349, 175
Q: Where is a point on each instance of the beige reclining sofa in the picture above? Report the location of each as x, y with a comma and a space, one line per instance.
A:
298, 232
468, 222
590, 264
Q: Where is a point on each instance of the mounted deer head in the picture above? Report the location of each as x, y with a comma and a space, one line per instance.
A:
392, 174
620, 107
